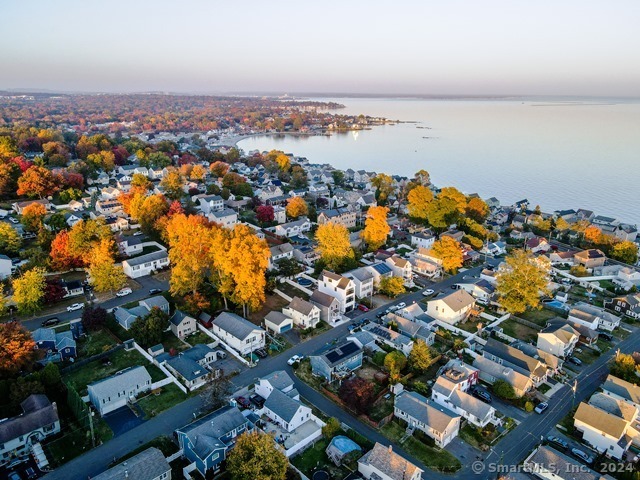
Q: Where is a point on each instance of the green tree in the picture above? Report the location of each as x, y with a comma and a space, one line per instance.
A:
442, 212
10, 240
626, 252
420, 356
28, 290
338, 177
522, 281
384, 187
50, 376
148, 330
256, 457
624, 367
395, 362
503, 389
331, 428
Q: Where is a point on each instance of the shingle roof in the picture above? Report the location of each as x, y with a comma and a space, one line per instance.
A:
279, 379
187, 367
622, 388
38, 412
277, 318
600, 420
120, 381
147, 465
235, 325
425, 411
340, 352
619, 408
300, 305
178, 317
562, 466
458, 300
149, 257
323, 299
282, 405
388, 462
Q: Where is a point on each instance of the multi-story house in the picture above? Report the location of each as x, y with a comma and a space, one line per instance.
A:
363, 280
451, 308
338, 362
279, 252
57, 345
239, 333
226, 217
450, 395
516, 359
291, 229
422, 240
426, 265
329, 306
149, 464
628, 305
211, 203
390, 337
622, 390
339, 216
340, 287
182, 324
591, 258
304, 314
491, 371
558, 340
401, 268
382, 463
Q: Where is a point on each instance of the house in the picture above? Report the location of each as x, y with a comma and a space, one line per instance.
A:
558, 340
129, 245
239, 333
116, 391
210, 203
72, 288
490, 371
5, 267
478, 288
126, 316
436, 421
278, 380
549, 464
149, 464
191, 365
622, 390
593, 317
451, 308
291, 229
279, 252
426, 265
338, 362
108, 207
628, 305
38, 421
18, 207
463, 375
537, 244
413, 329
588, 336
304, 314
516, 359
607, 424
561, 258
494, 248
182, 324
71, 219
306, 254
329, 306
422, 240
363, 280
590, 258
449, 394
382, 463
401, 268
390, 337
340, 287
457, 235
207, 441
226, 217
277, 322
58, 346
145, 264
379, 270
339, 216
285, 411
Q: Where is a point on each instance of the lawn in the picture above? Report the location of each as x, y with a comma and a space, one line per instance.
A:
199, 338
312, 458
383, 408
312, 332
273, 302
170, 341
168, 396
292, 291
95, 343
517, 330
76, 441
433, 457
539, 317
303, 372
96, 370
544, 388
476, 438
588, 355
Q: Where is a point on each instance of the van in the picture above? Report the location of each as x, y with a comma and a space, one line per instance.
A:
123, 292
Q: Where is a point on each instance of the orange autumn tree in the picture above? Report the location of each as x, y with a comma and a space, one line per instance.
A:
18, 349
32, 216
477, 209
297, 207
85, 235
61, 258
376, 227
38, 182
219, 169
593, 234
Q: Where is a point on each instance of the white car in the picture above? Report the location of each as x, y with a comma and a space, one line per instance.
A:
75, 306
428, 292
401, 305
13, 220
124, 292
137, 234
294, 359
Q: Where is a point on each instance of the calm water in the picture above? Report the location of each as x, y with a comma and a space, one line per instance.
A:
557, 155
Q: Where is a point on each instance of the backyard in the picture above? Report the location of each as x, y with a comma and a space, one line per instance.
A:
76, 440
539, 317
517, 330
315, 458
96, 342
199, 338
161, 399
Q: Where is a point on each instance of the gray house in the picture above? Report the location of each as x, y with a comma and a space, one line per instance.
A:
114, 392
338, 362
149, 464
126, 316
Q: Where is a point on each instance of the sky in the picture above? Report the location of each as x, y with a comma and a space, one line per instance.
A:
451, 47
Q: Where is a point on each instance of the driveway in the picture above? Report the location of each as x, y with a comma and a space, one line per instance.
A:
122, 420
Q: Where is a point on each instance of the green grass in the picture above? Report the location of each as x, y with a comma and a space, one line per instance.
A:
315, 458
544, 388
433, 457
381, 410
155, 372
517, 330
199, 338
539, 317
303, 372
95, 343
169, 396
169, 341
475, 438
76, 441
93, 371
587, 356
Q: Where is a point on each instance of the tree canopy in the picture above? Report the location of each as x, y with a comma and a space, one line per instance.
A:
255, 457
521, 281
449, 250
376, 227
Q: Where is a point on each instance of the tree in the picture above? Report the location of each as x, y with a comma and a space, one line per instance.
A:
376, 228
53, 291
384, 187
338, 177
9, 175
503, 389
625, 251
194, 303
283, 162
456, 195
288, 267
593, 235
216, 392
150, 211
28, 290
93, 318
156, 160
298, 177
198, 173
561, 224
3, 301
140, 183
395, 362
50, 376
61, 257
219, 169
521, 282
256, 457
420, 356
172, 183
84, 236
232, 180
442, 212
624, 367
333, 244
105, 275
448, 250
37, 182
297, 207
265, 213
32, 216
419, 199
331, 428
477, 209
104, 160
148, 330
17, 348
357, 393
10, 239
392, 286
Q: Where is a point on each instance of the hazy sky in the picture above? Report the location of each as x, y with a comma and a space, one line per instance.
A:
566, 47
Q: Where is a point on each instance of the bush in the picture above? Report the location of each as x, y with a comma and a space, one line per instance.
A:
503, 390
528, 407
331, 428
378, 358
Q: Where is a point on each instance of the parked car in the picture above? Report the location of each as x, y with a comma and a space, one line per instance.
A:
30, 472
585, 457
380, 314
49, 322
13, 220
482, 301
363, 308
137, 234
541, 407
14, 475
154, 291
482, 395
243, 402
428, 292
75, 306
400, 305
221, 354
575, 361
124, 292
557, 442
261, 352
455, 286
294, 359
607, 336
258, 400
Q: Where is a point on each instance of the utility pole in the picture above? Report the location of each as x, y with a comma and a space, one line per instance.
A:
93, 438
574, 388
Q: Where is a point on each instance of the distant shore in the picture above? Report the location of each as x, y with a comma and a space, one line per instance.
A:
234, 140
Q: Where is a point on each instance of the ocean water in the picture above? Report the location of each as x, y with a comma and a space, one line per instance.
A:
559, 155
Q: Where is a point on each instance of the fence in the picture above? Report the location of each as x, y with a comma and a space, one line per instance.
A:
98, 356
164, 370
226, 347
526, 323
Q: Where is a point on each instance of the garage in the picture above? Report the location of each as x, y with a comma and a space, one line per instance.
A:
278, 322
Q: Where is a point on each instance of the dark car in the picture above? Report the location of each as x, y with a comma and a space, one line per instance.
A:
482, 395
258, 400
380, 314
153, 291
607, 336
49, 322
575, 361
243, 402
557, 442
261, 352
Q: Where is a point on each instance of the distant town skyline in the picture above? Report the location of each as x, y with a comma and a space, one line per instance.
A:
498, 47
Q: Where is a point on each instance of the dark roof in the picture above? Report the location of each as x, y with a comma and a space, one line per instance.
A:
235, 325
178, 317
147, 465
340, 352
38, 412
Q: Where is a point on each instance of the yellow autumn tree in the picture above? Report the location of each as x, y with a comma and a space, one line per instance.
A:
448, 250
198, 173
105, 275
85, 235
32, 217
297, 207
283, 162
419, 199
189, 241
522, 280
455, 195
593, 234
376, 228
28, 290
334, 246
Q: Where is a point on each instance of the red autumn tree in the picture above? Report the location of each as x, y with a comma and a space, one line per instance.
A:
265, 213
357, 393
18, 348
61, 257
53, 291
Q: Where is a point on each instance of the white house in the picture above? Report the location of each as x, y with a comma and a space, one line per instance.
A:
294, 228
226, 217
114, 392
558, 340
285, 411
422, 240
451, 308
279, 252
278, 380
593, 317
390, 337
145, 264
401, 268
211, 203
5, 266
304, 314
182, 324
478, 288
340, 287
622, 390
449, 394
277, 322
239, 333
363, 280
382, 463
